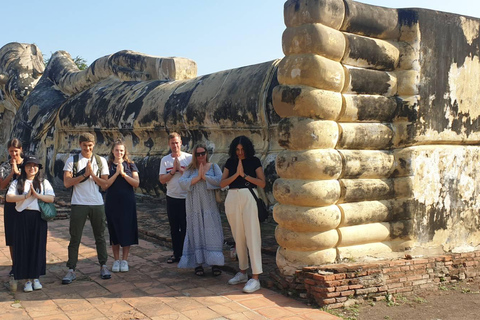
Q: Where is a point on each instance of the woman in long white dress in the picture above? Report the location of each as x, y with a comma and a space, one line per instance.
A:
203, 245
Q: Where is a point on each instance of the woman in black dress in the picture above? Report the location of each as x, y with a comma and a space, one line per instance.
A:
120, 205
9, 171
30, 238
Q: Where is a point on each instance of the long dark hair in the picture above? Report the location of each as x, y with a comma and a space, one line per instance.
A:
246, 144
37, 180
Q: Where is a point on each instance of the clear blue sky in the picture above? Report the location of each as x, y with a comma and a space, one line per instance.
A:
217, 34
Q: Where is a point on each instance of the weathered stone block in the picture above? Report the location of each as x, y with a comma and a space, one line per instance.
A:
367, 136
305, 134
306, 241
314, 38
364, 52
329, 12
318, 164
306, 193
367, 164
354, 190
308, 102
307, 219
368, 108
311, 70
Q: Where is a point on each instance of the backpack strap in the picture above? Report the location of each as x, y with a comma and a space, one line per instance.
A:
76, 157
99, 165
75, 164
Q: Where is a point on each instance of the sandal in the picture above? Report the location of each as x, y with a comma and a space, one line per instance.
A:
172, 259
216, 271
199, 271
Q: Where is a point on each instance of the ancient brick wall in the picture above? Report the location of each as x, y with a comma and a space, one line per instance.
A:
336, 285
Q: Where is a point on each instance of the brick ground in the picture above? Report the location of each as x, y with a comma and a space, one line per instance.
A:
152, 289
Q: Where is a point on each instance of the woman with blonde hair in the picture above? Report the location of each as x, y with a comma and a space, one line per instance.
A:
120, 204
203, 243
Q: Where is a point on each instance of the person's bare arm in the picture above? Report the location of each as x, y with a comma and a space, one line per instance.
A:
134, 180
259, 180
69, 180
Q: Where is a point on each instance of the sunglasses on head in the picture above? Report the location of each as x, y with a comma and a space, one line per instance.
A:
200, 154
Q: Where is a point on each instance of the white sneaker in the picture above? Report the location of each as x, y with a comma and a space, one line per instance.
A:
252, 286
239, 278
124, 266
37, 285
116, 266
28, 287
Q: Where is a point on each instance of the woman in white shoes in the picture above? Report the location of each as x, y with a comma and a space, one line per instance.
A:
30, 250
243, 171
120, 205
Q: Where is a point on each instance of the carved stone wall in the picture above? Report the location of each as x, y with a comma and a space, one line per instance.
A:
369, 122
379, 124
21, 66
141, 99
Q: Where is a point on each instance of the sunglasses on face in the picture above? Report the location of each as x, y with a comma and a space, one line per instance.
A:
201, 154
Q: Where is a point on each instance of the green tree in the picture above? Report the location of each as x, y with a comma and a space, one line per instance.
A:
79, 61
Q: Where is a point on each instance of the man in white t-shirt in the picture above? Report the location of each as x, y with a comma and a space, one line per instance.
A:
172, 167
86, 172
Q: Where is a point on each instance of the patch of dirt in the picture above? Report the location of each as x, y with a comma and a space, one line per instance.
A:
455, 301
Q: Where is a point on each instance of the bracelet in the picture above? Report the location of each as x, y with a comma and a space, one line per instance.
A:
245, 176
171, 173
83, 174
25, 196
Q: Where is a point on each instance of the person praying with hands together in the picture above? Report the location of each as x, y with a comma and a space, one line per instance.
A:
30, 236
120, 204
9, 171
172, 167
243, 170
86, 173
204, 238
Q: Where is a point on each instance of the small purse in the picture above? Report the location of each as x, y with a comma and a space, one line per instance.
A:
261, 207
48, 212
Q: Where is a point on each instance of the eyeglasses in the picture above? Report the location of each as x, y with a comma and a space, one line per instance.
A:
201, 154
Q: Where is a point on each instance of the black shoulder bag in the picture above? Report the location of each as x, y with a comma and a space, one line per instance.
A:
261, 206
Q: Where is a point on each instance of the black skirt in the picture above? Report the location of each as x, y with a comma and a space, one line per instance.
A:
9, 215
30, 249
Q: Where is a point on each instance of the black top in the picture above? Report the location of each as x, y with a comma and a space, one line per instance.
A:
249, 167
120, 182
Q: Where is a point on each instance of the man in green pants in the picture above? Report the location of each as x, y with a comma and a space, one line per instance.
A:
86, 172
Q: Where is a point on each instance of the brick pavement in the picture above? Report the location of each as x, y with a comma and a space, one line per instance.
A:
152, 289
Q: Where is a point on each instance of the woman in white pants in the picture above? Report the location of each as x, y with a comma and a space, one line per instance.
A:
243, 170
